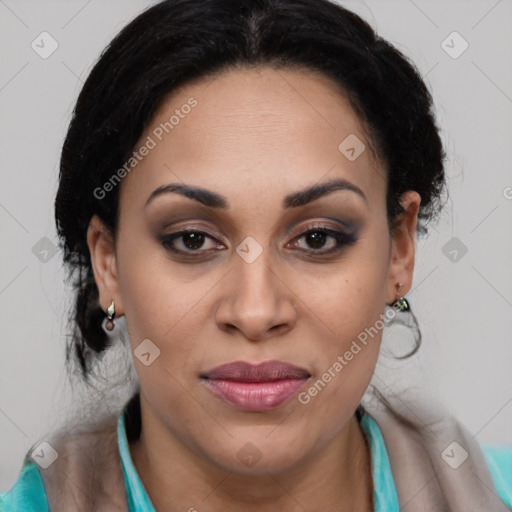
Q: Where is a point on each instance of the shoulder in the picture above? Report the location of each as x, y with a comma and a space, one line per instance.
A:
27, 494
87, 474
499, 460
88, 457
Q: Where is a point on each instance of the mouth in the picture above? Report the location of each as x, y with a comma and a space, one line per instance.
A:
258, 387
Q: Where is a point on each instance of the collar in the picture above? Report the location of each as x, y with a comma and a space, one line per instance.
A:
136, 494
384, 495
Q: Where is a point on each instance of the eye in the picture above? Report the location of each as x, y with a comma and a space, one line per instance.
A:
321, 240
316, 240
190, 241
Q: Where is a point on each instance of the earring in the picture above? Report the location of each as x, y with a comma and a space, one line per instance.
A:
111, 313
401, 303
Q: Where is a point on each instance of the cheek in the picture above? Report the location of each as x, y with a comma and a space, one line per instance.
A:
160, 297
161, 307
349, 297
349, 310
346, 362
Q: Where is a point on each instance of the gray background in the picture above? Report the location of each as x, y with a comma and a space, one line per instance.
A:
464, 306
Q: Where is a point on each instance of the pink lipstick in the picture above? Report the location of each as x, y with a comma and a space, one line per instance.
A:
255, 387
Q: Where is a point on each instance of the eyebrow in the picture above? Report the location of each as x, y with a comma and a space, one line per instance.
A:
293, 200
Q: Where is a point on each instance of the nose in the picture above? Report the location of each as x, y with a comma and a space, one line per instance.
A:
256, 301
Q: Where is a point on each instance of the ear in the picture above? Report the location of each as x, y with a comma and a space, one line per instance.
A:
401, 265
103, 259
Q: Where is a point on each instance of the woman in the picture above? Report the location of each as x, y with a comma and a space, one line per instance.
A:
243, 181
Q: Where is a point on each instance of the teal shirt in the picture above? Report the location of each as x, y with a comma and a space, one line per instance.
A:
28, 494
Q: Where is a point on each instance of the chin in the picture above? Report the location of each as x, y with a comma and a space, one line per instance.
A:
259, 454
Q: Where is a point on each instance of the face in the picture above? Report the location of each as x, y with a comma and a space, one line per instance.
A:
263, 272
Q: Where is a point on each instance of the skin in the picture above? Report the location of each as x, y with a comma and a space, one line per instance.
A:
255, 136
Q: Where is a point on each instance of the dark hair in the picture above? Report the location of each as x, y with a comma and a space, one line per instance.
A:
176, 41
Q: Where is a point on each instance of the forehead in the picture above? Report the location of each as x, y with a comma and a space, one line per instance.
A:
252, 129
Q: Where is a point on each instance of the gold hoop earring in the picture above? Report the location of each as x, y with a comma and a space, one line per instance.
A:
111, 313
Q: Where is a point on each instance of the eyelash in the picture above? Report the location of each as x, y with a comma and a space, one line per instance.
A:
341, 238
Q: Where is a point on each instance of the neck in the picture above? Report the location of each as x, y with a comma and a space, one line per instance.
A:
338, 477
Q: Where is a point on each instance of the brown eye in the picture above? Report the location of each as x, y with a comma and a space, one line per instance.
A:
193, 240
316, 239
320, 240
189, 241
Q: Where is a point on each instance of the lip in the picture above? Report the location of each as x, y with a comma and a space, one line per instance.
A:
255, 387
